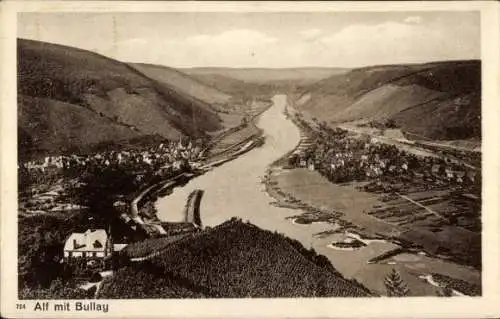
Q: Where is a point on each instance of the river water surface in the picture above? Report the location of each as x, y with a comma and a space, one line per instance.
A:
235, 189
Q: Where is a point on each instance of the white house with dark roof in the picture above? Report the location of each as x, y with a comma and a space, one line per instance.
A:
94, 243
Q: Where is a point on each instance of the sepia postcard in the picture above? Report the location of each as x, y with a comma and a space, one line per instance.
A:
250, 159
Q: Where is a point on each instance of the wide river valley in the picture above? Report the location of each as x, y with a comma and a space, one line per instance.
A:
235, 189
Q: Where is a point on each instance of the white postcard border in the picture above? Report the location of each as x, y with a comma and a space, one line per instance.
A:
486, 306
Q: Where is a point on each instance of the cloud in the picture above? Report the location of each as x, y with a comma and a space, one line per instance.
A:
413, 20
360, 44
379, 34
354, 45
198, 39
394, 42
133, 41
311, 33
381, 39
227, 39
239, 46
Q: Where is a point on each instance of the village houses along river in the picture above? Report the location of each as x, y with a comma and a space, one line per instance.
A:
235, 189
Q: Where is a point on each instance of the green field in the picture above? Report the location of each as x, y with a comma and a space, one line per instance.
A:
313, 189
354, 210
396, 218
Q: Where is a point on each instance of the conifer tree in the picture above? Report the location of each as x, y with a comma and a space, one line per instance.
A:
395, 286
445, 291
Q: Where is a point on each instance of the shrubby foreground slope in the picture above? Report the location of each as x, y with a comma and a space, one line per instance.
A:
234, 259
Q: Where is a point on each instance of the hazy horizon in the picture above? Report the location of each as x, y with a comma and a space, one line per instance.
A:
263, 40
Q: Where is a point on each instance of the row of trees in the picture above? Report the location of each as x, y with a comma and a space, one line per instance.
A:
148, 246
58, 289
396, 287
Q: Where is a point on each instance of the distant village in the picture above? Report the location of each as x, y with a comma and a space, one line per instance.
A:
335, 153
168, 155
51, 176
154, 169
342, 158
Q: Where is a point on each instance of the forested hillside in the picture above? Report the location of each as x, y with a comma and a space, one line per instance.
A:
440, 100
233, 260
70, 99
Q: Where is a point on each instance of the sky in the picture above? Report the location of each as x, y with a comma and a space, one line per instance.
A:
277, 40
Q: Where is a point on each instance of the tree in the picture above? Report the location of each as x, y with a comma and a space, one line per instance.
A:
444, 291
391, 123
57, 290
293, 160
395, 286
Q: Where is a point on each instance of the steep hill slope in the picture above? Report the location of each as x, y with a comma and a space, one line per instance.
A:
238, 89
183, 83
438, 100
236, 260
104, 99
248, 83
44, 123
263, 75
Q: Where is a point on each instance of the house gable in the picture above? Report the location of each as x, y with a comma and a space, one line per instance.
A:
92, 243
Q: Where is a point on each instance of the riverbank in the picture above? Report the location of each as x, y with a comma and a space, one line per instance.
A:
236, 189
342, 208
287, 187
353, 204
242, 144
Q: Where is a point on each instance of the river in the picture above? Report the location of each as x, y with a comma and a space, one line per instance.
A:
235, 189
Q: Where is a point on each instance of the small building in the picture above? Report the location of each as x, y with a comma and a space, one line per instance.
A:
449, 175
471, 175
310, 165
460, 176
126, 218
435, 169
118, 247
93, 243
302, 162
382, 164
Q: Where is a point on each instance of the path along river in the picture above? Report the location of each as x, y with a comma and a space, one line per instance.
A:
235, 189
